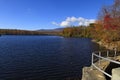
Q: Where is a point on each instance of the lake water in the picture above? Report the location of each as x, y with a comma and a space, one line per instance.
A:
44, 57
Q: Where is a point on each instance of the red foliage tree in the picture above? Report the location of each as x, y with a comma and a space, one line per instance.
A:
108, 22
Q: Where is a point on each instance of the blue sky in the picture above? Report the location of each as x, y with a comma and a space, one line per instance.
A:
47, 14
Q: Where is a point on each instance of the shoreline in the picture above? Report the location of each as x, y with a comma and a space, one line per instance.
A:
110, 45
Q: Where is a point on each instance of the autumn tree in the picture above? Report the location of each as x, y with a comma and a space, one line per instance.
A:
109, 19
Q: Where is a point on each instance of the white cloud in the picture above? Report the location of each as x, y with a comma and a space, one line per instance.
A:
74, 21
65, 23
54, 23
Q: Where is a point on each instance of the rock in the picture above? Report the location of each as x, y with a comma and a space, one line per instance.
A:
110, 45
117, 58
92, 74
116, 74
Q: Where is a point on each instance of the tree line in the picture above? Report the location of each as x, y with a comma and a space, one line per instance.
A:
26, 32
18, 32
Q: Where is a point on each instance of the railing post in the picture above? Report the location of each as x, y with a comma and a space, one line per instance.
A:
115, 52
107, 53
99, 57
92, 59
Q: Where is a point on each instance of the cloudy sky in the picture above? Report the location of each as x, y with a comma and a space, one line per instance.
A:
48, 14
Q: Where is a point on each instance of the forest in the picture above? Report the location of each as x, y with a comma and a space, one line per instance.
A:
78, 31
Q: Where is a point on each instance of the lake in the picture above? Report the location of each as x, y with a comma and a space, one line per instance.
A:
44, 57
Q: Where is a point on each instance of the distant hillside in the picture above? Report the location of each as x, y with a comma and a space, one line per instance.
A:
56, 31
51, 30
